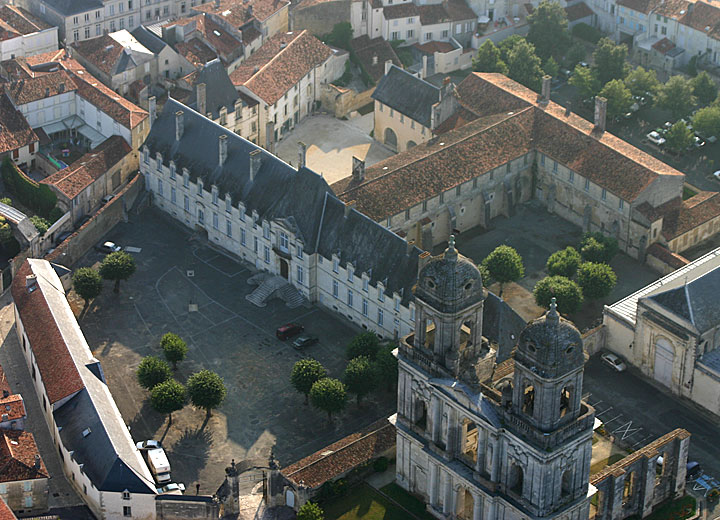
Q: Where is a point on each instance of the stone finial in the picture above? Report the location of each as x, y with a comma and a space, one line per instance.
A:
552, 313
451, 252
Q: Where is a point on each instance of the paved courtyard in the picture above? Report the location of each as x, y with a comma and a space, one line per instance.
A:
228, 335
334, 143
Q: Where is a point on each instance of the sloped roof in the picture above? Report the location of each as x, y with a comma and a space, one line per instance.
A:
41, 86
148, 39
238, 12
578, 11
70, 7
5, 512
403, 10
113, 53
18, 453
16, 21
703, 17
195, 51
681, 216
409, 95
13, 406
378, 50
15, 132
219, 90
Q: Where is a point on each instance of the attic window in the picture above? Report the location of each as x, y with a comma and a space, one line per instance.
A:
570, 349
468, 286
531, 346
86, 432
430, 283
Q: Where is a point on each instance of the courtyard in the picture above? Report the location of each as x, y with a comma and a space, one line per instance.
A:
228, 335
334, 143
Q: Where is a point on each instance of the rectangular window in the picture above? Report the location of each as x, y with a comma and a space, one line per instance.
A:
228, 204
267, 254
428, 37
335, 288
87, 32
442, 197
199, 188
407, 214
160, 188
187, 203
412, 313
98, 29
410, 34
228, 228
300, 275
364, 307
555, 166
173, 195
604, 194
366, 284
284, 242
186, 180
350, 274
571, 176
215, 220
215, 196
381, 317
127, 511
350, 298
266, 230
126, 495
587, 184
445, 33
29, 501
299, 250
201, 216
336, 265
27, 486
381, 294
242, 236
621, 203
542, 159
397, 304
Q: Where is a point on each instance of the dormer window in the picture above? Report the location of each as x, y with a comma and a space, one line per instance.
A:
468, 286
531, 346
430, 283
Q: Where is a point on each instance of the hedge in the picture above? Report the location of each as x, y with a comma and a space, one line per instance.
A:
37, 197
586, 32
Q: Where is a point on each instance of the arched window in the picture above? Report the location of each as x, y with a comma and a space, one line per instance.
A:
566, 396
567, 483
528, 402
515, 479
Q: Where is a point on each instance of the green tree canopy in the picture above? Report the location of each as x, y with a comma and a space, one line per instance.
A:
504, 265
40, 223
87, 283
206, 390
564, 262
548, 29
679, 137
597, 247
7, 201
174, 347
152, 371
305, 374
704, 88
329, 395
310, 511
574, 55
524, 65
506, 45
340, 36
706, 121
488, 59
551, 67
676, 96
610, 61
568, 295
168, 397
385, 367
618, 98
641, 81
358, 377
585, 80
117, 266
6, 232
364, 344
596, 280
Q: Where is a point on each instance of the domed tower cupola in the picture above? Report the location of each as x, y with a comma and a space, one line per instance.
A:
449, 300
549, 363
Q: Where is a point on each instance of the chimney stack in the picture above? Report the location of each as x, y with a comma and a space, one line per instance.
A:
388, 64
545, 92
423, 259
424, 71
348, 206
374, 59
410, 246
358, 169
152, 109
37, 461
600, 112
568, 109
222, 149
200, 95
255, 159
179, 125
302, 151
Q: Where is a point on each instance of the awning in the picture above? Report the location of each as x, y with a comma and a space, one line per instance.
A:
483, 19
66, 124
92, 135
54, 128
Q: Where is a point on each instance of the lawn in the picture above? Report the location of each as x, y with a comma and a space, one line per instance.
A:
676, 510
601, 465
362, 503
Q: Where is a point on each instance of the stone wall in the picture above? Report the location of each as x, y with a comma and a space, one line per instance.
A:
180, 507
594, 340
320, 17
340, 101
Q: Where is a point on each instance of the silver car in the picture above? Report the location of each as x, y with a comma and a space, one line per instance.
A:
614, 361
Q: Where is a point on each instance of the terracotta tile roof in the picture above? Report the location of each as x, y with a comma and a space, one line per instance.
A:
18, 453
482, 97
679, 217
280, 64
663, 46
57, 368
41, 86
74, 179
12, 406
103, 52
578, 11
250, 34
433, 14
236, 11
366, 50
5, 512
649, 212
400, 11
434, 46
642, 6
703, 17
340, 457
458, 11
16, 21
215, 37
669, 8
15, 132
195, 51
662, 253
461, 117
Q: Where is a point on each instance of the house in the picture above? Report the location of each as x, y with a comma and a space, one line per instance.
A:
23, 34
169, 63
285, 76
17, 140
373, 54
258, 20
85, 184
12, 406
669, 330
24, 485
97, 454
5, 512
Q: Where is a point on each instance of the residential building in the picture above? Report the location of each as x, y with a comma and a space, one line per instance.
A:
285, 76
98, 456
24, 485
75, 19
373, 54
17, 141
169, 62
23, 34
258, 20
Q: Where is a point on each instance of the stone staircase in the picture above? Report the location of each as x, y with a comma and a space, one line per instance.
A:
265, 290
291, 296
271, 286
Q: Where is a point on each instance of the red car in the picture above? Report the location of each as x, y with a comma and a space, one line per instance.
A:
289, 330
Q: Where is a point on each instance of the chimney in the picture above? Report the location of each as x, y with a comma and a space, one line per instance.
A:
410, 246
545, 92
38, 460
255, 160
600, 112
222, 149
5, 394
348, 206
200, 95
388, 64
424, 66
31, 282
568, 108
423, 259
152, 109
358, 169
5, 417
179, 125
302, 150
375, 59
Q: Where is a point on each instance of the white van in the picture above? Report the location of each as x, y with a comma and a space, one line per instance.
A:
159, 465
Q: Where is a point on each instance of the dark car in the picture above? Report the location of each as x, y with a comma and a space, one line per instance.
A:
289, 330
304, 341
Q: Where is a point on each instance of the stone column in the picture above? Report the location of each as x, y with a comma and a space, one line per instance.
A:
420, 327
451, 446
436, 410
490, 509
494, 459
448, 502
480, 462
477, 506
433, 488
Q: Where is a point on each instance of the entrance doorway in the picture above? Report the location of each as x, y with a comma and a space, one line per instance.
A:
284, 268
664, 358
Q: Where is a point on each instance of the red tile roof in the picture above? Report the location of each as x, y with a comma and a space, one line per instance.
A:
19, 457
4, 384
703, 17
237, 13
12, 406
40, 86
666, 256
74, 179
377, 50
663, 46
5, 512
340, 457
16, 21
679, 217
57, 367
103, 52
433, 14
578, 11
15, 132
215, 37
434, 46
195, 51
669, 8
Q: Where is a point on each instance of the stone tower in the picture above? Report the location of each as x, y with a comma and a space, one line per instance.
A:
476, 452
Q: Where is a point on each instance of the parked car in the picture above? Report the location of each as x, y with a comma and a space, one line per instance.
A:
305, 341
172, 488
717, 175
614, 361
148, 445
692, 468
108, 247
106, 199
656, 138
289, 330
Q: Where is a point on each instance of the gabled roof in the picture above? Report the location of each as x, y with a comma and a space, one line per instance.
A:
41, 86
15, 132
703, 17
13, 406
5, 512
16, 21
578, 11
19, 457
215, 36
373, 54
680, 216
113, 53
70, 7
239, 12
195, 51
219, 90
403, 10
407, 94
148, 39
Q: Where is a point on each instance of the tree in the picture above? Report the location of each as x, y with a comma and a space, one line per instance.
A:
506, 45
6, 200
585, 80
152, 371
574, 55
568, 295
564, 262
385, 367
676, 96
704, 88
328, 395
524, 66
609, 61
206, 390
168, 397
641, 81
305, 374
596, 280
87, 283
618, 98
551, 67
364, 344
597, 247
706, 121
679, 137
174, 347
505, 265
485, 275
548, 29
488, 59
41, 224
340, 36
6, 233
358, 377
310, 511
117, 266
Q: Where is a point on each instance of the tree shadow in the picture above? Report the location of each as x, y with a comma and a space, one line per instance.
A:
190, 454
146, 422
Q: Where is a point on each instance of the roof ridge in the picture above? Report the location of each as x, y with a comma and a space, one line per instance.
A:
271, 60
689, 302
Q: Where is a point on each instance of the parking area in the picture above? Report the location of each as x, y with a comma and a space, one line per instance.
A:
227, 334
334, 143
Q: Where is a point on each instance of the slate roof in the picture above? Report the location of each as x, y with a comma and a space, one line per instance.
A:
15, 132
16, 21
148, 39
366, 49
17, 457
70, 7
236, 11
219, 90
394, 88
405, 10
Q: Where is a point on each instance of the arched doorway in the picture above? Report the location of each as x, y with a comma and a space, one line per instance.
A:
515, 479
466, 506
390, 139
284, 268
664, 359
289, 498
411, 144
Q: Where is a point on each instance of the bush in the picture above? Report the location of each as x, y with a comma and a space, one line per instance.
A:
568, 295
152, 371
564, 262
381, 464
596, 280
596, 247
37, 197
7, 201
55, 214
340, 36
586, 32
41, 224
